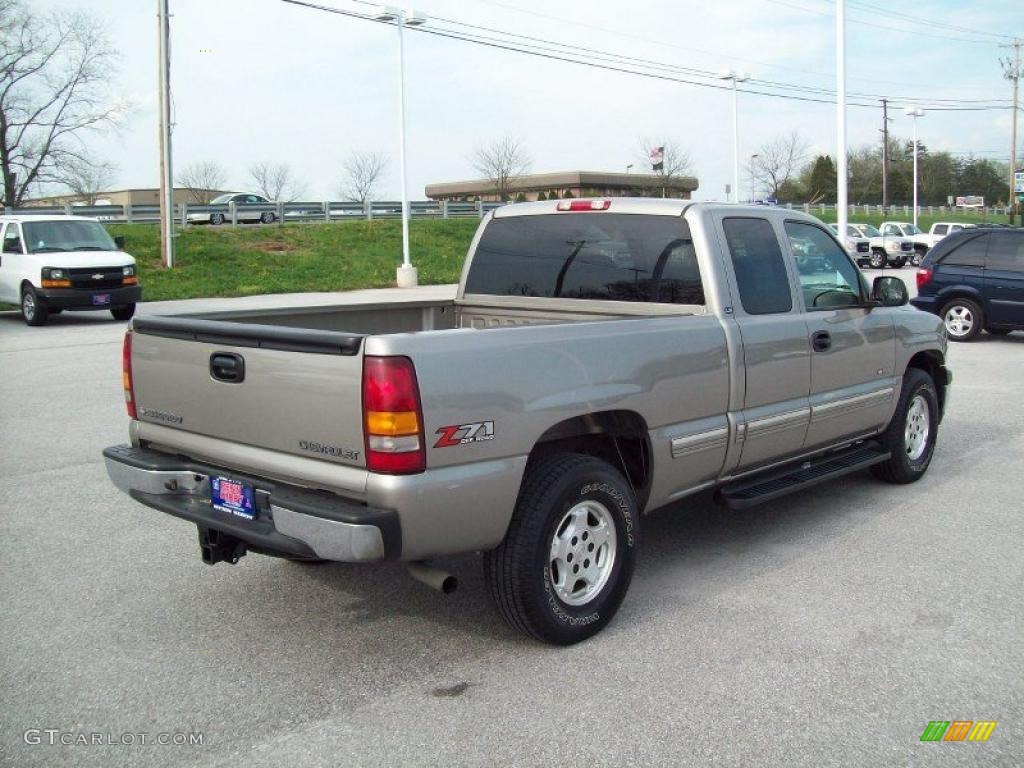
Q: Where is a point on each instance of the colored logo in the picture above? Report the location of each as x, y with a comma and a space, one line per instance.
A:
958, 730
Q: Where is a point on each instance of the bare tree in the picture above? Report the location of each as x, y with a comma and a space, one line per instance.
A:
362, 173
275, 181
779, 162
54, 72
204, 180
501, 162
675, 161
87, 180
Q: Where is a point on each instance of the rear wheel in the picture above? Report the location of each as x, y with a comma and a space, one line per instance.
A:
568, 556
901, 261
910, 436
123, 313
33, 311
963, 319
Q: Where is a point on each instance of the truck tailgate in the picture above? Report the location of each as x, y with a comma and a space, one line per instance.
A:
290, 390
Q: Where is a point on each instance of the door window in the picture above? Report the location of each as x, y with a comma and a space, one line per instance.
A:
940, 229
828, 279
1005, 252
12, 239
760, 270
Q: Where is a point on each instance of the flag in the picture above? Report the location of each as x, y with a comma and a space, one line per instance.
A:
657, 158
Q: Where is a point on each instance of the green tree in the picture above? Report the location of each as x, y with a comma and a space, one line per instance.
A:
820, 184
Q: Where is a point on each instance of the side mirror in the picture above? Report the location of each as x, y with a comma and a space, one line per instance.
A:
889, 292
12, 246
119, 241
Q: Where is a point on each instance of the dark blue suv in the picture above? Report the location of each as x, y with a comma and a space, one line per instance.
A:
974, 279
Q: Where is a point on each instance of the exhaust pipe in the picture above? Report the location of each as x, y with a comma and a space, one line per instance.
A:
440, 580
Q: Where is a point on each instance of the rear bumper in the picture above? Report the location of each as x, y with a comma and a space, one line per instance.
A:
69, 298
926, 304
290, 521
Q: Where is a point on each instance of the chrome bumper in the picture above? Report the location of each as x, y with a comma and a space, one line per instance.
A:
290, 521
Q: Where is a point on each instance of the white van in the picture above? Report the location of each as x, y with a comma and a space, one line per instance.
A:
52, 263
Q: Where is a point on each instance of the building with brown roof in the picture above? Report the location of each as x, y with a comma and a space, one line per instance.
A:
568, 184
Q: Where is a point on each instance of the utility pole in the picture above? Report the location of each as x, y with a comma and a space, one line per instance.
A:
885, 157
1012, 72
166, 177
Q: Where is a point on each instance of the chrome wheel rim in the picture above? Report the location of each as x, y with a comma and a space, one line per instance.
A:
28, 306
878, 262
917, 428
959, 320
582, 553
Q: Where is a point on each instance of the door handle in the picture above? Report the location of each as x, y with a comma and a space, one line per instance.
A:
228, 367
821, 341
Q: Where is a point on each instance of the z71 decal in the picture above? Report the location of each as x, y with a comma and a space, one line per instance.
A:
461, 434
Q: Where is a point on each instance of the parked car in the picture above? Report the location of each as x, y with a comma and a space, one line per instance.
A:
602, 358
885, 249
52, 263
858, 247
921, 240
974, 280
241, 200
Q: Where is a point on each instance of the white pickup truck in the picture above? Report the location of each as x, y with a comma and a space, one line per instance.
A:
922, 240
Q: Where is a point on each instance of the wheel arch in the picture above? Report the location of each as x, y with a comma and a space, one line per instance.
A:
619, 437
933, 363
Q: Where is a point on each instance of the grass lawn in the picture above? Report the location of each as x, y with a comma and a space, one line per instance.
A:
249, 260
924, 221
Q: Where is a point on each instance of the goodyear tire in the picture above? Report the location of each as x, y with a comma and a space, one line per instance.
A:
910, 436
568, 556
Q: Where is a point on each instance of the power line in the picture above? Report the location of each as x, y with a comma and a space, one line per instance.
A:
582, 56
922, 20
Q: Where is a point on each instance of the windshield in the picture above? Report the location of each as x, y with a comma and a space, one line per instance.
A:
66, 235
871, 231
911, 229
221, 199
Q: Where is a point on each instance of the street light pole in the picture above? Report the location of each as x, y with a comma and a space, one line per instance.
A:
166, 175
842, 208
735, 77
752, 159
914, 112
406, 276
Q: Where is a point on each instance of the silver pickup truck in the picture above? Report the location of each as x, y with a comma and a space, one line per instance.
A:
601, 359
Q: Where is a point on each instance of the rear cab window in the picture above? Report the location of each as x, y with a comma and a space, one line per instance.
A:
758, 264
969, 253
594, 255
1005, 252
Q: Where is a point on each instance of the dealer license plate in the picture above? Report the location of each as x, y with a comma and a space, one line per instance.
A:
101, 299
233, 497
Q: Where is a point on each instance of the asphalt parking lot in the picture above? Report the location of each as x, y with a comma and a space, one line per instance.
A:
823, 629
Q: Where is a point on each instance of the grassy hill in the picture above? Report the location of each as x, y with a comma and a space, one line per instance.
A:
248, 260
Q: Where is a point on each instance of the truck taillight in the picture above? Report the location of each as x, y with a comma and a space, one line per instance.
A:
583, 205
126, 375
392, 416
923, 276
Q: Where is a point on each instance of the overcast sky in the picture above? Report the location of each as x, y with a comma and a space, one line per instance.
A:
260, 80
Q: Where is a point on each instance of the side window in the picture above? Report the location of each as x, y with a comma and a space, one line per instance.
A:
955, 228
889, 229
759, 266
828, 278
1005, 252
12, 239
940, 229
968, 254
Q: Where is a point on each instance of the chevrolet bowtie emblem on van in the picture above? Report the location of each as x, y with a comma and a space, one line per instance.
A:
97, 276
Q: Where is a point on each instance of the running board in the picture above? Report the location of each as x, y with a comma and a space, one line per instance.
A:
775, 483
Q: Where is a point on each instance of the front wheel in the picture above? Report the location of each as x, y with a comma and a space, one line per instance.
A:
963, 319
267, 217
123, 313
910, 436
877, 260
565, 564
216, 218
33, 311
917, 258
